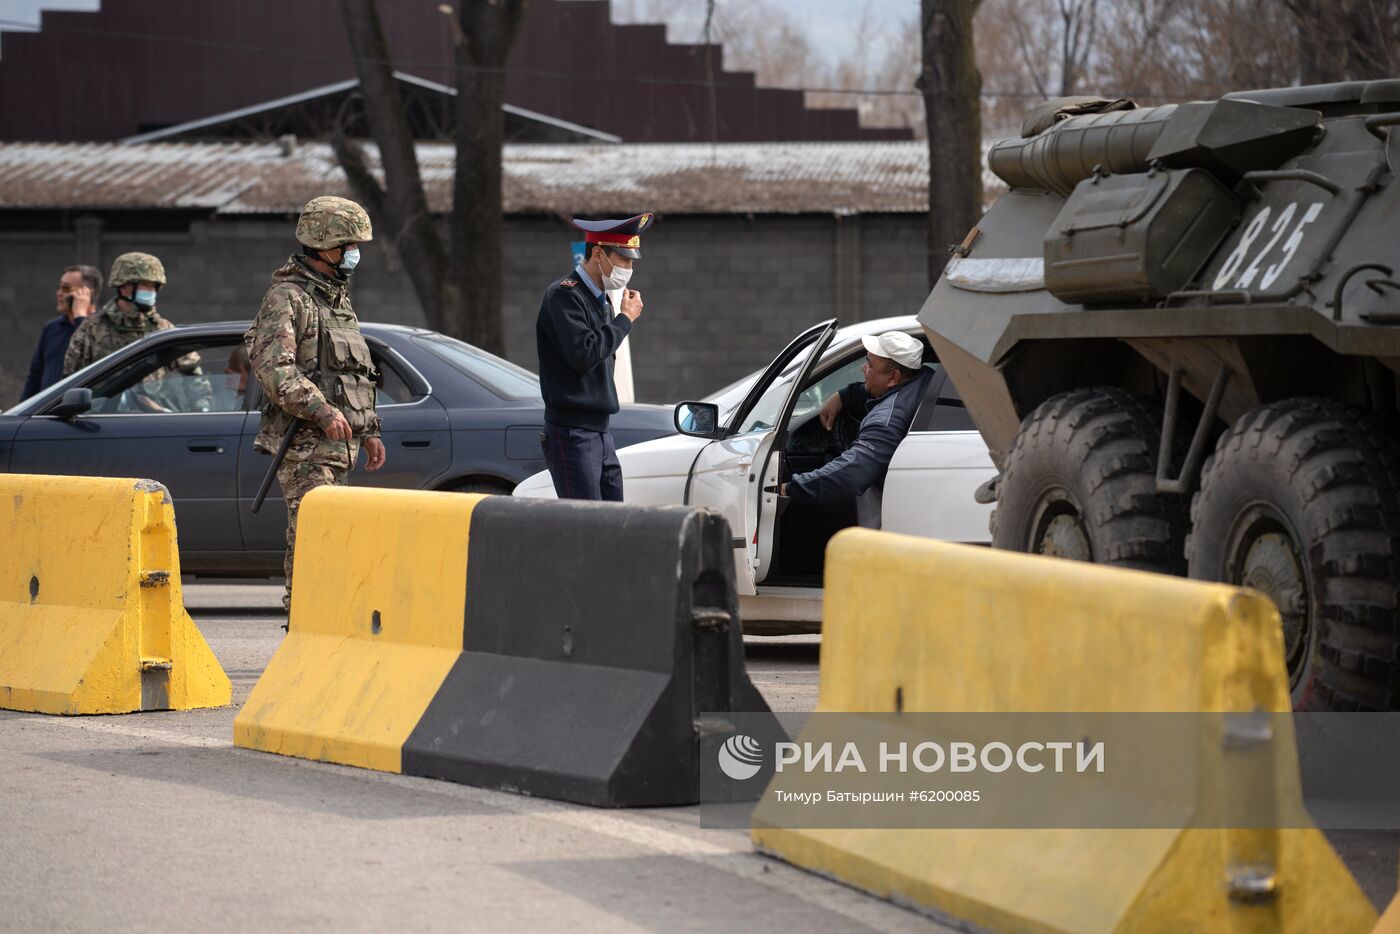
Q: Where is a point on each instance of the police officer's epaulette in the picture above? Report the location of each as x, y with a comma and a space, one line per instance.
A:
568, 283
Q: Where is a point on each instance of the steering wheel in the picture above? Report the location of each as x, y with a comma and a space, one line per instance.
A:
843, 433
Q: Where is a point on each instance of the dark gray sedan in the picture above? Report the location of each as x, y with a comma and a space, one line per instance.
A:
454, 418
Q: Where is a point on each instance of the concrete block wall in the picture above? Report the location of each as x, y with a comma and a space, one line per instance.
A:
723, 293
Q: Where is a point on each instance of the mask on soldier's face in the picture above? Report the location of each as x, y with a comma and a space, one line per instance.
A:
348, 260
145, 299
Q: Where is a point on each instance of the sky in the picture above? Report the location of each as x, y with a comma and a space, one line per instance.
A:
829, 22
27, 11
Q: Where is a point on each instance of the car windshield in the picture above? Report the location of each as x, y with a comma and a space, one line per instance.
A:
502, 377
730, 396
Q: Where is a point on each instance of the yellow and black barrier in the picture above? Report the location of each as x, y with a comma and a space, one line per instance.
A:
91, 616
1389, 922
559, 649
915, 625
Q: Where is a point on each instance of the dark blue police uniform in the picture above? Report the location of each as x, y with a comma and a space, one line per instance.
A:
577, 335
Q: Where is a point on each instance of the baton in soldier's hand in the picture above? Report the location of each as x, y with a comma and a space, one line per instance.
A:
276, 462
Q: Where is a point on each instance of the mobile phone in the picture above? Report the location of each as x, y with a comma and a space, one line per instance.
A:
70, 303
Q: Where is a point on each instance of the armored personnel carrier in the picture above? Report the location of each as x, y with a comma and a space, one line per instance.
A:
1179, 332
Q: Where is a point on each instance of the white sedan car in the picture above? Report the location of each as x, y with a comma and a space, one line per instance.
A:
737, 445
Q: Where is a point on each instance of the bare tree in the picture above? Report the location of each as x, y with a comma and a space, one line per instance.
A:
457, 280
1341, 40
1225, 45
1079, 21
1009, 83
884, 62
952, 90
765, 38
1056, 40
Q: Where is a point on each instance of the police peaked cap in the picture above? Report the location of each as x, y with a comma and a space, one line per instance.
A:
623, 236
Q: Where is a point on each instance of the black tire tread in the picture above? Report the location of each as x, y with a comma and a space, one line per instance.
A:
1345, 462
1109, 437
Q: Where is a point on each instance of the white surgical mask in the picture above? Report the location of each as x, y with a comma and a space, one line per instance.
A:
350, 259
144, 298
617, 279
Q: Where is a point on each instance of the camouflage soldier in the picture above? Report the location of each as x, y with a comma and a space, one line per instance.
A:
312, 362
129, 316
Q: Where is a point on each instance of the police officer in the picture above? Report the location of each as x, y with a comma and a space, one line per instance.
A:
128, 316
577, 334
312, 362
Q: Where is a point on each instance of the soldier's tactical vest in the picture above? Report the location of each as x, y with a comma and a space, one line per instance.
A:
123, 329
346, 369
344, 373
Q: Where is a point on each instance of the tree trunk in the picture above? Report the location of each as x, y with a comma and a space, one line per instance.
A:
487, 32
457, 281
952, 90
399, 208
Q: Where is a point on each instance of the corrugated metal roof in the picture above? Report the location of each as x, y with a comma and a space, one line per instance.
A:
675, 178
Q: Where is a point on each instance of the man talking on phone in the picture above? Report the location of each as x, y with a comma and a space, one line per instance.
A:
78, 289
577, 335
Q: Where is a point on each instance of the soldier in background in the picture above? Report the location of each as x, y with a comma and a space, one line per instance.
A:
129, 316
312, 362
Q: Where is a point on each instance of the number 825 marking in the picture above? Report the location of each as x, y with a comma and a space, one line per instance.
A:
1236, 259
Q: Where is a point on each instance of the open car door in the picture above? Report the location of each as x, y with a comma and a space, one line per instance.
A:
738, 474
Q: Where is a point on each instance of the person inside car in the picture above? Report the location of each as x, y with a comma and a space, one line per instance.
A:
235, 383
884, 404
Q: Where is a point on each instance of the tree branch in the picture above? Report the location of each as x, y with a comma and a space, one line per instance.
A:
1024, 42
362, 181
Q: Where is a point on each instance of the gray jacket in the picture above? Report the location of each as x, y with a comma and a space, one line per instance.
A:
884, 423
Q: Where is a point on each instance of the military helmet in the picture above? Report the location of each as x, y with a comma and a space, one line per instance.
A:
327, 222
136, 267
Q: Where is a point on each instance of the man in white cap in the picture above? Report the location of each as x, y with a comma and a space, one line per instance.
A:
884, 404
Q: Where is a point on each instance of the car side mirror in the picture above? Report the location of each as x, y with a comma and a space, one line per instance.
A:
700, 419
74, 402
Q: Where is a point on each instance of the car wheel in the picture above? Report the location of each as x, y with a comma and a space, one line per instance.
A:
1080, 482
1299, 502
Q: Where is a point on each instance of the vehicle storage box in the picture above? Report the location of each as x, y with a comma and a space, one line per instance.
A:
1136, 237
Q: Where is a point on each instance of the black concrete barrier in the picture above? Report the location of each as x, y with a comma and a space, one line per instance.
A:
562, 649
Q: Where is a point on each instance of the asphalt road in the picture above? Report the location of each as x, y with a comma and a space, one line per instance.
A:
156, 822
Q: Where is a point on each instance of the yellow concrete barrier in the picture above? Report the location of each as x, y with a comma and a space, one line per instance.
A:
926, 626
371, 639
91, 616
1390, 921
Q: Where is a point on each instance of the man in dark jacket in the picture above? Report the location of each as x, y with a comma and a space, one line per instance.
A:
577, 334
78, 289
895, 380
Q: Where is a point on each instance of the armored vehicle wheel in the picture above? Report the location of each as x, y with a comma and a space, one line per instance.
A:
1081, 482
1299, 501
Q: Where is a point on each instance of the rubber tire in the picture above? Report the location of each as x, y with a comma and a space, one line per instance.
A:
1330, 470
1097, 446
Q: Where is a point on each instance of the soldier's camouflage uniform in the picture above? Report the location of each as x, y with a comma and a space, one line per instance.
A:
107, 331
111, 329
311, 360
